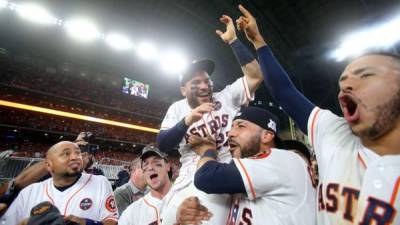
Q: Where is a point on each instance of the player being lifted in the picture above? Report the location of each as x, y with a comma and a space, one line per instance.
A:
203, 113
358, 155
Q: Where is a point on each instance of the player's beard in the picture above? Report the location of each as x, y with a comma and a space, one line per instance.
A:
252, 147
386, 116
194, 92
68, 174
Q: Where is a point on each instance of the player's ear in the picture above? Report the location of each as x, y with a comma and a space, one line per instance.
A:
183, 90
267, 137
48, 164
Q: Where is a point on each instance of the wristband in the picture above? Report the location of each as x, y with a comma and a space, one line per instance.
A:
92, 222
243, 55
210, 153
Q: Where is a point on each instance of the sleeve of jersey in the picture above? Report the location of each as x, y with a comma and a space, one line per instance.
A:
124, 218
259, 176
108, 209
14, 215
238, 92
171, 118
322, 126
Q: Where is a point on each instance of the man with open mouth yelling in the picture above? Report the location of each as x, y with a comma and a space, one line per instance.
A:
359, 154
155, 170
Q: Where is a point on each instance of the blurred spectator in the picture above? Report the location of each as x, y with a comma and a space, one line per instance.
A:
133, 189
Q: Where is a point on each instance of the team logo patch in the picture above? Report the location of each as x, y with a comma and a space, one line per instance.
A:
110, 204
86, 204
218, 105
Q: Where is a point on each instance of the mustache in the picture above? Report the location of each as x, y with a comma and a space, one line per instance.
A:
231, 141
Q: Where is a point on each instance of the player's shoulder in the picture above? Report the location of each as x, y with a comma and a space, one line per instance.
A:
134, 206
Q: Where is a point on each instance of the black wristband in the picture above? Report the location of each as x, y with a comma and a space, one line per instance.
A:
243, 55
210, 153
92, 222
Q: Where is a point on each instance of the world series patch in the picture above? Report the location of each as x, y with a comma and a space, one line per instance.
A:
86, 204
110, 204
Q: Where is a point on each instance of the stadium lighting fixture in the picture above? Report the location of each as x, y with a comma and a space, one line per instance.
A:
3, 4
118, 41
378, 37
147, 51
35, 13
173, 62
82, 30
76, 116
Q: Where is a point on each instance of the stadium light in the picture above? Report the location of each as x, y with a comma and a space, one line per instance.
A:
174, 62
378, 37
82, 29
147, 51
35, 13
3, 4
118, 41
76, 116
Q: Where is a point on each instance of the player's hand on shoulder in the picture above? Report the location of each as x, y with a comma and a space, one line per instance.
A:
248, 24
198, 112
75, 219
230, 34
201, 145
192, 212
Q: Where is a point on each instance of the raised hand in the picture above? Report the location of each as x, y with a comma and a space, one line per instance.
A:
248, 24
230, 34
192, 212
198, 113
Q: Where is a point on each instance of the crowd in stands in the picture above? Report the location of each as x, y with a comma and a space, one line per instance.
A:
48, 101
46, 122
77, 87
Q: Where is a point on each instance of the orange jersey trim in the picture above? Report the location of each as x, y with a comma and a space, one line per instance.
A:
395, 191
313, 126
248, 179
155, 208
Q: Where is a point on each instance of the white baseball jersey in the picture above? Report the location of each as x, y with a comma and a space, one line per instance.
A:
90, 197
356, 185
217, 123
145, 211
279, 190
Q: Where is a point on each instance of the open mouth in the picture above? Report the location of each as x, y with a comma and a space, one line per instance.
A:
233, 145
153, 176
350, 108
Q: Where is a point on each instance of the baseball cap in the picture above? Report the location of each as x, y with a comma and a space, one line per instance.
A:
262, 118
197, 65
152, 150
47, 213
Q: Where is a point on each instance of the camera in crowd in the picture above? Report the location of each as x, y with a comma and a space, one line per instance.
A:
89, 138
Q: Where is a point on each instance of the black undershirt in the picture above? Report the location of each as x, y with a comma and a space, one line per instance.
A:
68, 186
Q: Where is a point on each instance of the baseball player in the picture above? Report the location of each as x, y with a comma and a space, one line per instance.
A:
146, 211
203, 113
358, 155
80, 197
269, 184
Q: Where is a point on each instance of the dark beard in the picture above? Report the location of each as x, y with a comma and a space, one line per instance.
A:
387, 114
192, 99
252, 148
71, 174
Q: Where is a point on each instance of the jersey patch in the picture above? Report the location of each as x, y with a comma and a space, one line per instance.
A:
86, 204
110, 204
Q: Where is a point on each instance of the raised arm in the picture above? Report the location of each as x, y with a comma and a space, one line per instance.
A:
248, 63
277, 81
